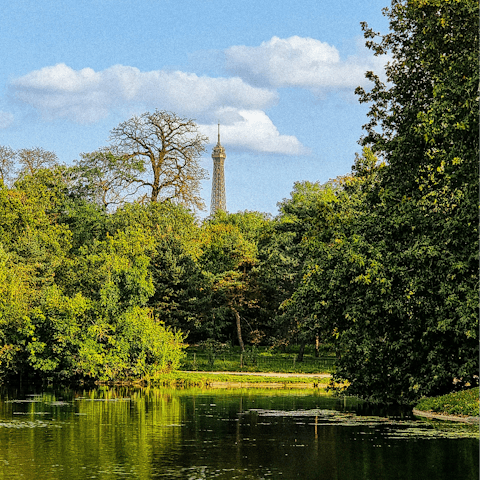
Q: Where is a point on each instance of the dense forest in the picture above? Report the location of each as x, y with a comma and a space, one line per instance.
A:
106, 271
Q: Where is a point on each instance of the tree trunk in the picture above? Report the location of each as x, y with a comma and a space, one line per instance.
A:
239, 329
317, 344
300, 352
155, 191
156, 178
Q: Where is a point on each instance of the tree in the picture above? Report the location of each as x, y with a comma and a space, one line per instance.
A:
227, 258
106, 179
28, 228
285, 251
16, 294
33, 248
7, 163
179, 299
115, 334
255, 228
408, 305
169, 147
33, 159
30, 160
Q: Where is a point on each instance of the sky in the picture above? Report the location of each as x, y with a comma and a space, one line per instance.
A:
278, 75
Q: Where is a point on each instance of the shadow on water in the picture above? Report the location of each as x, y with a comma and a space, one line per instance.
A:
149, 433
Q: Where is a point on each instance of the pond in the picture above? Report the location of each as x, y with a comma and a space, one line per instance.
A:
150, 433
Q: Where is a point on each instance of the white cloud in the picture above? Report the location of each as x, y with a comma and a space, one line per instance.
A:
6, 119
252, 130
86, 96
239, 102
300, 62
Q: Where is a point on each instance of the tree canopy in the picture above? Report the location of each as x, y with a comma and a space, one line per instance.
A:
380, 263
392, 265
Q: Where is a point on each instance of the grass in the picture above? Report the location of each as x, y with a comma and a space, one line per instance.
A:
465, 403
254, 360
201, 379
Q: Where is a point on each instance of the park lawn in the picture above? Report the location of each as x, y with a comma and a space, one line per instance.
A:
260, 359
464, 403
180, 378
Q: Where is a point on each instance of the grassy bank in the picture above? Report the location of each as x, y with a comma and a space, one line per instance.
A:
459, 403
203, 379
206, 379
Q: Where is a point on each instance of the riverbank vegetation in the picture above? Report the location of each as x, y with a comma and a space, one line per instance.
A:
225, 379
464, 403
106, 272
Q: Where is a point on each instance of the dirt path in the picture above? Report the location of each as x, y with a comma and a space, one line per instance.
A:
269, 374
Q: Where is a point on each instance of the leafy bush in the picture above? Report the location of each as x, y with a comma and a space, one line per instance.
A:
457, 403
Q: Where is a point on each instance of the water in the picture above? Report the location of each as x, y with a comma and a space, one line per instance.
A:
117, 433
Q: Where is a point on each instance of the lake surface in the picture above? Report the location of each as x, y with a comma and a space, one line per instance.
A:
116, 433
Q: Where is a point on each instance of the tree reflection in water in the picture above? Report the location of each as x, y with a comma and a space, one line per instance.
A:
111, 433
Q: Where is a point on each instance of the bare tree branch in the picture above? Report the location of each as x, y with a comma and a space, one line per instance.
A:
7, 163
107, 178
172, 146
33, 159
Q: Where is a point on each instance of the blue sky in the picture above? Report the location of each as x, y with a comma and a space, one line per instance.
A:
279, 75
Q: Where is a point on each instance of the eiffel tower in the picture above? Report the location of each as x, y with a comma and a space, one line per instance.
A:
219, 201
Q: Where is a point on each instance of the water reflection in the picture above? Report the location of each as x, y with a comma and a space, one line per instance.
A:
112, 433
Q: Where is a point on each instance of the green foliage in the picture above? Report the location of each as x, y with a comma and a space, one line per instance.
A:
16, 294
131, 345
179, 285
53, 339
217, 357
284, 256
392, 271
82, 312
251, 224
227, 258
157, 218
456, 403
86, 221
113, 272
213, 348
105, 179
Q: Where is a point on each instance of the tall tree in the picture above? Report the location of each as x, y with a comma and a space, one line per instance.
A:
7, 163
34, 159
284, 252
412, 305
16, 164
179, 295
107, 179
169, 147
227, 258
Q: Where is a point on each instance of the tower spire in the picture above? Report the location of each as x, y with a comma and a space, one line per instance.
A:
218, 201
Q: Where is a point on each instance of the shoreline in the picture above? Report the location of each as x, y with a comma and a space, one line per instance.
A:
314, 385
272, 385
446, 417
263, 374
